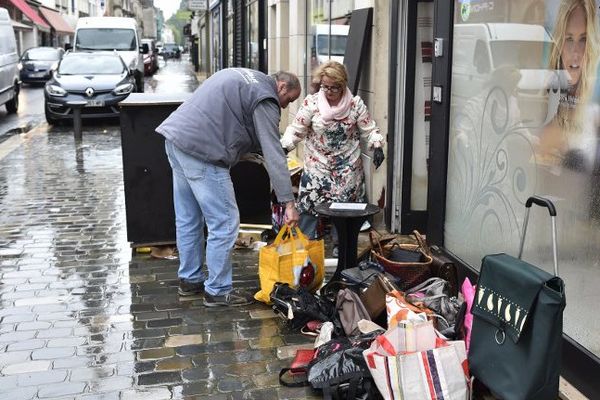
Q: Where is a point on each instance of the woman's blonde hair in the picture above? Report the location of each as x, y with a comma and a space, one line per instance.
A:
589, 61
334, 71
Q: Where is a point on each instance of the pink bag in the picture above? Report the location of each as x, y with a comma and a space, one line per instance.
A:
468, 291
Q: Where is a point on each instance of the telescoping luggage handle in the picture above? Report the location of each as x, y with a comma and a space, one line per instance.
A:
542, 202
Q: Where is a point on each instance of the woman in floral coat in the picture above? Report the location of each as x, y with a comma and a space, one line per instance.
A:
332, 122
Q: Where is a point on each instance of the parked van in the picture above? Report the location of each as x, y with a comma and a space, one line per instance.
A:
479, 49
113, 33
9, 59
320, 46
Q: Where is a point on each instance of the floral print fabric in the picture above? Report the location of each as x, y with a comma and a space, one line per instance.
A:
333, 169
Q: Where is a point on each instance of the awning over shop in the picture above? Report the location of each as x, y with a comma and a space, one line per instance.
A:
56, 21
31, 14
20, 26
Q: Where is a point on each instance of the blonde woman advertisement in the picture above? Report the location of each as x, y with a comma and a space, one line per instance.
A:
568, 140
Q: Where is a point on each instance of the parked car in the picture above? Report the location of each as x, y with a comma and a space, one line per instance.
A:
118, 34
151, 57
171, 50
36, 63
100, 79
9, 74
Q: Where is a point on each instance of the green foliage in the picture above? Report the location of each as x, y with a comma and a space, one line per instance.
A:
177, 21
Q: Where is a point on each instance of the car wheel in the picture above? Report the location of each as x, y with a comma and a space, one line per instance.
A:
13, 104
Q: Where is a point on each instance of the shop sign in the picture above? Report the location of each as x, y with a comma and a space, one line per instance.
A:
197, 5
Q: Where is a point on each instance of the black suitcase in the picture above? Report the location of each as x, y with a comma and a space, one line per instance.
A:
517, 312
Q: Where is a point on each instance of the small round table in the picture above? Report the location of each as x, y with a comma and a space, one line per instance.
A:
347, 222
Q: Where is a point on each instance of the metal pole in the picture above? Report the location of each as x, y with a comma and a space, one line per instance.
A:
77, 106
77, 122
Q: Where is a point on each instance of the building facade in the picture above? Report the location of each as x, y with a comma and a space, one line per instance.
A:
482, 108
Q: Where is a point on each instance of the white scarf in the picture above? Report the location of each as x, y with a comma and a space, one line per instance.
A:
334, 113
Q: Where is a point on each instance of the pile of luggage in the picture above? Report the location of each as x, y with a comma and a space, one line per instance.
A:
398, 326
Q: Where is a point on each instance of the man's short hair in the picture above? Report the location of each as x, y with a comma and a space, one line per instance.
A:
291, 80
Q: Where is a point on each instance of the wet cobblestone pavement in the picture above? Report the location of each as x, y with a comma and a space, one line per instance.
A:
84, 318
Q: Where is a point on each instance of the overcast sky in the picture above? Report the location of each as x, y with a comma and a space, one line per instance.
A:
168, 7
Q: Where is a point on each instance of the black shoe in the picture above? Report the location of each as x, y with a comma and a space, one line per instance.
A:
187, 288
234, 298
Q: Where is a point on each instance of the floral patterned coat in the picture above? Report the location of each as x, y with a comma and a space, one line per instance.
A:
333, 169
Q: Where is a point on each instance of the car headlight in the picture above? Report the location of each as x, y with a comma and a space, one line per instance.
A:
20, 66
55, 90
125, 88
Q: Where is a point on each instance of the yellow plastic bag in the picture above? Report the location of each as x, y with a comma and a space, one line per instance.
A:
286, 261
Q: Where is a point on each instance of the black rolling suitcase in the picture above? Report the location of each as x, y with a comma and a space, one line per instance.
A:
517, 323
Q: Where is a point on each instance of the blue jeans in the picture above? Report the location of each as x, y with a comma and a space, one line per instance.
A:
203, 193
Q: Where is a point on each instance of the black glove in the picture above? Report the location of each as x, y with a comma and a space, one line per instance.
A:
378, 157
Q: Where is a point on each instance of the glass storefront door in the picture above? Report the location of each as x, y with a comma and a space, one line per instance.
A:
524, 120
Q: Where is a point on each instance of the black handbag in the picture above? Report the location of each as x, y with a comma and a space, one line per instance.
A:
517, 324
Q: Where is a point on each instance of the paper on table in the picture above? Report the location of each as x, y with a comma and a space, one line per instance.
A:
348, 206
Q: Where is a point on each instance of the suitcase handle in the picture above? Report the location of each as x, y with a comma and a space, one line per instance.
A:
542, 202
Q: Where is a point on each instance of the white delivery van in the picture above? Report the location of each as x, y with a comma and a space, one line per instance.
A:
479, 49
320, 46
113, 33
9, 59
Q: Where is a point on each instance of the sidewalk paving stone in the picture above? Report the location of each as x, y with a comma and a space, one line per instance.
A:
85, 317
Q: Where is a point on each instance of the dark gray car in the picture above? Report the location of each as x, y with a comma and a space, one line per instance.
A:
36, 63
96, 80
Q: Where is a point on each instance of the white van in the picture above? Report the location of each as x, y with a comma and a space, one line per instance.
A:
113, 33
479, 49
9, 74
320, 46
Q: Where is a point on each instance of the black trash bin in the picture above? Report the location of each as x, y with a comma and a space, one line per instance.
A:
147, 175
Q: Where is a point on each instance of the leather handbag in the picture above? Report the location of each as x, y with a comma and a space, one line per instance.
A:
373, 297
408, 262
443, 267
517, 324
363, 274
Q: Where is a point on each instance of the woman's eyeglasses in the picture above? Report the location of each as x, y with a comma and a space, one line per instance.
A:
332, 89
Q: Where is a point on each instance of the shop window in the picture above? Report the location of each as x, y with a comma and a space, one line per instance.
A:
524, 120
252, 52
328, 27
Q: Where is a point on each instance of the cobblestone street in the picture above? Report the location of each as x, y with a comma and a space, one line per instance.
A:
83, 317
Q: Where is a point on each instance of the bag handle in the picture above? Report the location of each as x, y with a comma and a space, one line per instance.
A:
542, 202
286, 229
422, 242
375, 241
428, 284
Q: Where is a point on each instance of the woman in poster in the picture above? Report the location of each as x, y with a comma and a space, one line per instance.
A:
569, 139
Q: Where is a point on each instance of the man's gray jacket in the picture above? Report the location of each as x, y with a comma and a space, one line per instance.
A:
219, 123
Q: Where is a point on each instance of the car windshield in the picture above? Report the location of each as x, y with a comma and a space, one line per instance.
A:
86, 65
105, 39
41, 54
